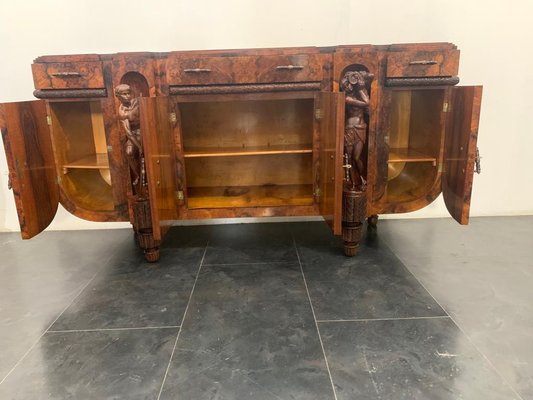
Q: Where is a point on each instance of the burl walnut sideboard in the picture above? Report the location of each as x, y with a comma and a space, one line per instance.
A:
346, 132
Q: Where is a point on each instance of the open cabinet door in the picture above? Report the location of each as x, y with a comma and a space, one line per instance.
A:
460, 150
30, 159
331, 112
157, 131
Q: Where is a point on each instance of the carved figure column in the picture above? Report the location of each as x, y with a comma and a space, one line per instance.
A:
356, 86
128, 114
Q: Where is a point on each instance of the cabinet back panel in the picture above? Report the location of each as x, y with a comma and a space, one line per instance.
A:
278, 169
247, 124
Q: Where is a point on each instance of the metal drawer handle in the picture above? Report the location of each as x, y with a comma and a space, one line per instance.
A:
196, 70
67, 74
290, 67
423, 62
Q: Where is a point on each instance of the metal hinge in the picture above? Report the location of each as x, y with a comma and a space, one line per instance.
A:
49, 120
172, 117
58, 180
319, 114
109, 148
316, 192
445, 107
441, 167
179, 194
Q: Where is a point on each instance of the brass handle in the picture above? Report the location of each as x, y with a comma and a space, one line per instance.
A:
289, 67
196, 70
423, 62
477, 162
67, 74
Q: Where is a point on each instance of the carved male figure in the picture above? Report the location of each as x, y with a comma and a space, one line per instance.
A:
354, 84
128, 114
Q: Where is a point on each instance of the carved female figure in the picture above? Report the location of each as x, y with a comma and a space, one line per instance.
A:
128, 113
354, 84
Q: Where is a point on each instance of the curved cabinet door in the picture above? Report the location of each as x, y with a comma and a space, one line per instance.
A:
30, 158
460, 150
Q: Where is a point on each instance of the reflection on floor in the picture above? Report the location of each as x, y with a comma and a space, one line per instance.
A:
427, 310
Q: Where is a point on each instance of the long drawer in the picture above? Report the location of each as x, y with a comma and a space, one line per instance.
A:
194, 70
68, 75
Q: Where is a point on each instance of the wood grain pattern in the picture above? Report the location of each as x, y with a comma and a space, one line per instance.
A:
423, 63
31, 164
68, 75
460, 151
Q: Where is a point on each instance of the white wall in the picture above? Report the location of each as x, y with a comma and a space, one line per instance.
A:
494, 38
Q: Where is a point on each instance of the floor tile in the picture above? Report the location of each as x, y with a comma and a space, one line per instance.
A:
250, 243
373, 284
482, 274
132, 293
408, 359
126, 364
40, 277
249, 334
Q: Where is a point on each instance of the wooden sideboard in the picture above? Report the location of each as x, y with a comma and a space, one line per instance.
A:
346, 132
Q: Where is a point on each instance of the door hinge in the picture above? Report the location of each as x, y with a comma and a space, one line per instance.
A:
109, 148
58, 180
445, 107
179, 194
316, 192
477, 162
441, 167
172, 117
319, 114
49, 120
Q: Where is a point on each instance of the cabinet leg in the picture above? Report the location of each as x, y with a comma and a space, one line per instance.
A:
143, 230
353, 216
373, 221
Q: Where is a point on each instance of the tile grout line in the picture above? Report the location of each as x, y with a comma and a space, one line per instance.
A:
457, 325
321, 321
251, 263
59, 316
182, 320
314, 318
114, 329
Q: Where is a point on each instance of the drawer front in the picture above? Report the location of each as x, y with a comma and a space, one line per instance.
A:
423, 63
289, 68
244, 69
68, 75
204, 70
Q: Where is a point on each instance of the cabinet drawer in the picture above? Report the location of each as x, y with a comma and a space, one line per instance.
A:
68, 75
289, 68
423, 63
244, 69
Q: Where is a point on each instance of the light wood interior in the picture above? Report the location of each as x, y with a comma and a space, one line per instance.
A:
81, 152
414, 143
248, 154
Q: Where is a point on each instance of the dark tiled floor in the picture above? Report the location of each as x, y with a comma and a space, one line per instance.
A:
269, 311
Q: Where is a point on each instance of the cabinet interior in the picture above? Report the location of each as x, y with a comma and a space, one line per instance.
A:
415, 139
248, 153
81, 153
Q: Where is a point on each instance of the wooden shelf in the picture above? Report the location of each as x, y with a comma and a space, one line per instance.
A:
250, 196
94, 161
247, 151
409, 155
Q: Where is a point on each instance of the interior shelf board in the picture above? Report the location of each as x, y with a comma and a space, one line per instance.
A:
247, 151
409, 155
250, 196
94, 161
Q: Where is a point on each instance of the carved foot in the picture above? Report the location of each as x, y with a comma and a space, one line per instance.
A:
353, 216
351, 235
372, 222
151, 255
